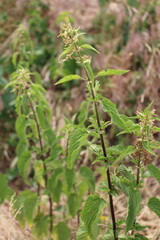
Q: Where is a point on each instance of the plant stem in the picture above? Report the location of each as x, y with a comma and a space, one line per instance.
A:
108, 170
44, 165
138, 168
137, 178
103, 148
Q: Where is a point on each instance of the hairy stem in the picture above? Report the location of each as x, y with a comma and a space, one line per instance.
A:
138, 168
44, 165
114, 227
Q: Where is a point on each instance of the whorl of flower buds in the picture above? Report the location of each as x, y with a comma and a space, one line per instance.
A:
22, 79
146, 124
69, 34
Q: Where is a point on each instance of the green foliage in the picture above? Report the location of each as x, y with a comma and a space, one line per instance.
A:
154, 205
5, 191
77, 140
41, 226
58, 181
87, 46
73, 204
134, 208
121, 121
68, 78
27, 203
63, 231
23, 164
111, 72
91, 212
154, 171
87, 174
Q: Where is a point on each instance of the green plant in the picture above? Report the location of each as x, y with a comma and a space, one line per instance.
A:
123, 178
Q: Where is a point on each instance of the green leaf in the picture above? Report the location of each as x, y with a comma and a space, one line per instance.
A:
111, 72
55, 185
21, 147
27, 203
88, 46
126, 152
68, 78
87, 66
134, 208
5, 191
41, 226
154, 171
30, 207
21, 125
127, 172
90, 214
70, 176
72, 204
81, 233
23, 164
111, 109
140, 237
63, 231
39, 172
10, 84
41, 117
66, 51
121, 121
77, 140
87, 174
83, 113
154, 205
146, 145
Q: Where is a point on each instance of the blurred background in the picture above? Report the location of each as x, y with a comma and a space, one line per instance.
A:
125, 32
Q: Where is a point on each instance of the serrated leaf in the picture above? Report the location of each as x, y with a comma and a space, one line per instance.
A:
23, 164
127, 172
77, 140
88, 68
70, 176
10, 84
154, 205
72, 204
26, 202
111, 109
66, 51
30, 207
111, 72
133, 209
39, 172
83, 114
4, 189
87, 174
39, 92
121, 121
140, 237
81, 233
91, 211
154, 171
88, 46
21, 147
146, 145
68, 78
41, 226
63, 231
41, 117
21, 125
126, 152
55, 184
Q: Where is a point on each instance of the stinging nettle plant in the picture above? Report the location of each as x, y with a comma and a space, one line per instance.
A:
119, 177
50, 171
